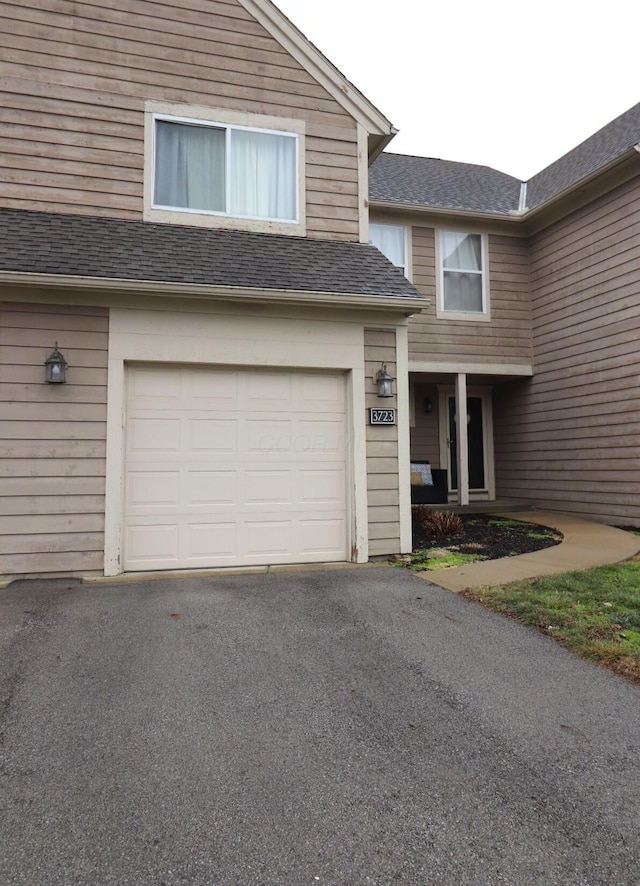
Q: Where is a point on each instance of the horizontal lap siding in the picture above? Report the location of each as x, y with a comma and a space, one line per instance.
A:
382, 449
570, 438
76, 76
425, 438
52, 440
505, 339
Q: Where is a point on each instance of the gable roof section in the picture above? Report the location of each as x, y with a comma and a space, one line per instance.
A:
380, 130
442, 184
599, 150
427, 183
115, 249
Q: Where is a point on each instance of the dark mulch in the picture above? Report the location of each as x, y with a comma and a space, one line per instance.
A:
490, 537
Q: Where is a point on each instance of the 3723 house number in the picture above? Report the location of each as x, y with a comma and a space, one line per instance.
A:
382, 416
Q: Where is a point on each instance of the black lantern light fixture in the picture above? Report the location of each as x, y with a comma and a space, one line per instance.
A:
56, 368
384, 382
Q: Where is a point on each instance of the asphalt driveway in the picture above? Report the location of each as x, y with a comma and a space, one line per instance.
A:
321, 727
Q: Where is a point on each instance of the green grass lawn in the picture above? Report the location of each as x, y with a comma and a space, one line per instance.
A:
594, 612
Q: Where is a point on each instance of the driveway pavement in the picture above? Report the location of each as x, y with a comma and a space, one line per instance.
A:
321, 727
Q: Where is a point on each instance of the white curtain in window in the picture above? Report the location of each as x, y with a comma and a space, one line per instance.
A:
389, 239
460, 253
190, 166
263, 175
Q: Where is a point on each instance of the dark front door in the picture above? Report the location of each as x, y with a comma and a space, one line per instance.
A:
475, 435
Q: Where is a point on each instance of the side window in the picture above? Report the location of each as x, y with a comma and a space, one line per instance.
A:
223, 168
244, 173
462, 275
391, 240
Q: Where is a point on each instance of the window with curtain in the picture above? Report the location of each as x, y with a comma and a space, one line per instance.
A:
463, 288
227, 170
391, 241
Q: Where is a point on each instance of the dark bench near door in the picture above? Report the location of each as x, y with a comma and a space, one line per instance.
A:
431, 495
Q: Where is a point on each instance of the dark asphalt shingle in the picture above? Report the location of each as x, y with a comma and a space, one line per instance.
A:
610, 142
443, 184
50, 243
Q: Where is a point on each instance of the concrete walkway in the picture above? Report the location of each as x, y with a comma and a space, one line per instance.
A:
585, 545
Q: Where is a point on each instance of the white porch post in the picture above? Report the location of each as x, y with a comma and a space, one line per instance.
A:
404, 433
463, 441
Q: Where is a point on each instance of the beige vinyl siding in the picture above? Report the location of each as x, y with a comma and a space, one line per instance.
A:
506, 338
52, 440
425, 439
76, 77
382, 449
569, 438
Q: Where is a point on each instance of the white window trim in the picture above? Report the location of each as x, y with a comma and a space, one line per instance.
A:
474, 316
223, 119
406, 270
485, 393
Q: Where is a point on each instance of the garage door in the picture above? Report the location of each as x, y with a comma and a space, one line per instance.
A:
233, 467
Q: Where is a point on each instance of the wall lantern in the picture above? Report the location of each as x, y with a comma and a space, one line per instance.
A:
384, 382
56, 367
428, 405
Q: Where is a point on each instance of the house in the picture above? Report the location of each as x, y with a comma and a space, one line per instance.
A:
534, 321
187, 202
183, 212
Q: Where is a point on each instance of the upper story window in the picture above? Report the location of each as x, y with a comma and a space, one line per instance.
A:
391, 240
213, 168
222, 170
463, 285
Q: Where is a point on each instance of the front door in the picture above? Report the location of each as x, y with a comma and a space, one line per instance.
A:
479, 438
475, 435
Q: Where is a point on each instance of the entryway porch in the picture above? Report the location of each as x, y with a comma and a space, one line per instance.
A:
452, 430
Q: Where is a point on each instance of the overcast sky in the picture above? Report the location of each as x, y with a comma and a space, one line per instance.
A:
508, 84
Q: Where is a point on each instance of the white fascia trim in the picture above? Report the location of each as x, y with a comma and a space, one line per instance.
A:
448, 213
390, 303
523, 369
320, 68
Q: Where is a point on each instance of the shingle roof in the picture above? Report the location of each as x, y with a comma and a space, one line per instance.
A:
444, 184
610, 142
48, 243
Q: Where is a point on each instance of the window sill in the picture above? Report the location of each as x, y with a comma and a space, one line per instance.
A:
224, 222
468, 316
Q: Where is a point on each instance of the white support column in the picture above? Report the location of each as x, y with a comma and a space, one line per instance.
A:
462, 439
404, 445
363, 183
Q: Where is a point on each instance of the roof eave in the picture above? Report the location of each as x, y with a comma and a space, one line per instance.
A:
320, 68
445, 212
377, 144
390, 303
632, 153
520, 215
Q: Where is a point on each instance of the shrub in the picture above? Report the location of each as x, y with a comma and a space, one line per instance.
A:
440, 524
420, 513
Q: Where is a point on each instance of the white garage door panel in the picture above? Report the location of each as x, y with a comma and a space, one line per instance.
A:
206, 435
155, 543
227, 468
211, 540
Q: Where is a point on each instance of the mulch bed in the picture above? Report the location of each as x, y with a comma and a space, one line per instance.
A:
490, 537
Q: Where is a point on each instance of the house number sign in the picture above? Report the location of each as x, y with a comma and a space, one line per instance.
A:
382, 416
